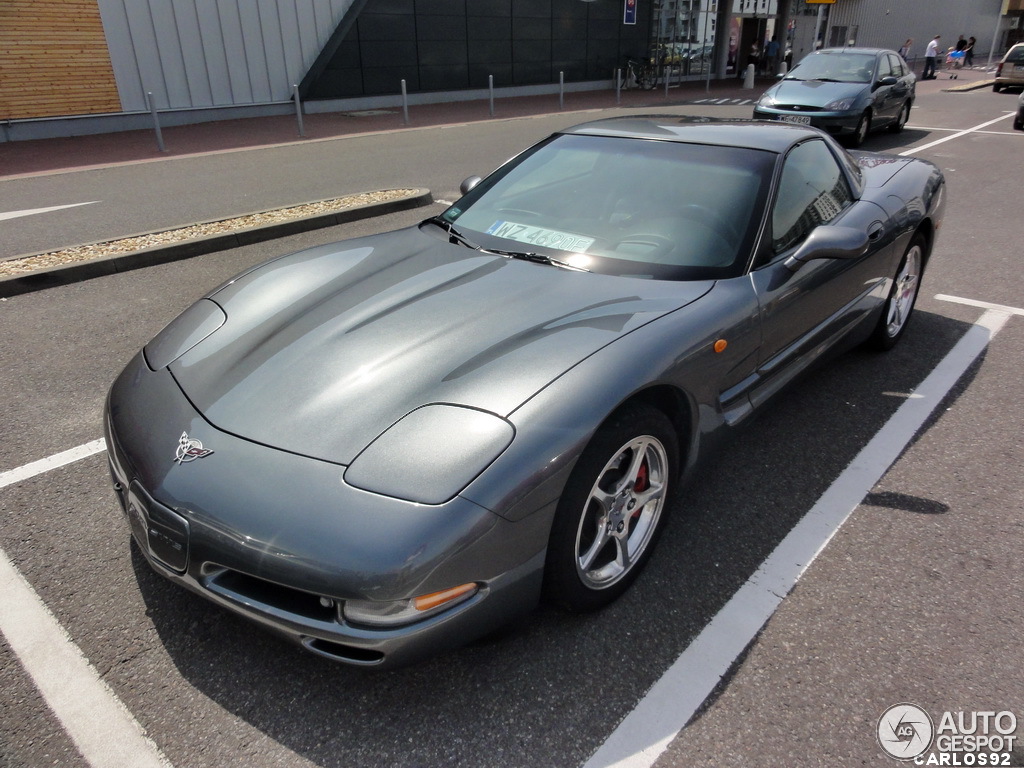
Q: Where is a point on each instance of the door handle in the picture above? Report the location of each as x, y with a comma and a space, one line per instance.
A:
875, 231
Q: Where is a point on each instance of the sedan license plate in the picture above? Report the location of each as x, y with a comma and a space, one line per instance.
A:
802, 119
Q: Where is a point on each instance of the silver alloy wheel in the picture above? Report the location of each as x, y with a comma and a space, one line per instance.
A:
622, 512
863, 128
907, 282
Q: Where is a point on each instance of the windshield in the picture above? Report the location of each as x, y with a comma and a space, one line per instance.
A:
837, 67
655, 209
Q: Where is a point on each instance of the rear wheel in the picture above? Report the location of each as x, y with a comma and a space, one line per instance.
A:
997, 87
902, 297
613, 509
901, 118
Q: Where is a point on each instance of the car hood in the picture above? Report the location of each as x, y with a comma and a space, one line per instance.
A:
814, 93
325, 349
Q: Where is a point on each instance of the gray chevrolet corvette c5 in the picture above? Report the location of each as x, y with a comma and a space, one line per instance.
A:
386, 447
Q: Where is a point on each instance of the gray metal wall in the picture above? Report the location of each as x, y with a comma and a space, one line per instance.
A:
206, 53
887, 23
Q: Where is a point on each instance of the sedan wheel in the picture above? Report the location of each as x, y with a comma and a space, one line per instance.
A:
902, 296
861, 131
613, 510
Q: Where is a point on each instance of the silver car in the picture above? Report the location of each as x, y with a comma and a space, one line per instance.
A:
385, 447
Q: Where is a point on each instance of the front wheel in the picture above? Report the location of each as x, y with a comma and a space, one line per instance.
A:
613, 509
902, 297
861, 131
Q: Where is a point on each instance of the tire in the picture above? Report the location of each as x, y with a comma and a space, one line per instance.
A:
997, 87
861, 131
902, 296
613, 509
901, 118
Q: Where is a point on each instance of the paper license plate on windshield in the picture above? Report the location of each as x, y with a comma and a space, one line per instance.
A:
551, 238
802, 119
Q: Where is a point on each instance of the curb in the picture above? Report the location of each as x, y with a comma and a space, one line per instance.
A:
971, 86
53, 277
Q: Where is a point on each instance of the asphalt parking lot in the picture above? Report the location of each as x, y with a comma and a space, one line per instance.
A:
913, 595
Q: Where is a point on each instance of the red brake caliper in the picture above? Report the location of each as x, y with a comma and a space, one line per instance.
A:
642, 483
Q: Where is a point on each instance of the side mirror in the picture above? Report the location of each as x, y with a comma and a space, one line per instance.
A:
827, 242
469, 183
890, 80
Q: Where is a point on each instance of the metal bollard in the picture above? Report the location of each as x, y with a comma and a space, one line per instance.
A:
298, 110
490, 89
156, 121
561, 90
405, 104
618, 85
748, 80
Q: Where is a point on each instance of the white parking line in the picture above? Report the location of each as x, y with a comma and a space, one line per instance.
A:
952, 136
659, 717
96, 720
50, 462
33, 211
94, 717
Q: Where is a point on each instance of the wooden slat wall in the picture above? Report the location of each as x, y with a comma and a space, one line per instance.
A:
54, 60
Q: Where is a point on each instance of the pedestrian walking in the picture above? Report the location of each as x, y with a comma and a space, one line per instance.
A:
905, 49
969, 52
930, 54
771, 56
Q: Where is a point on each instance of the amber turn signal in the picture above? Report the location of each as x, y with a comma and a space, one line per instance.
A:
426, 602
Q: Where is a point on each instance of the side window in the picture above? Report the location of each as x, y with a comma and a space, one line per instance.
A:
896, 64
812, 191
884, 67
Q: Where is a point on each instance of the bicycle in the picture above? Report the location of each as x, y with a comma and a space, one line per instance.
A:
641, 74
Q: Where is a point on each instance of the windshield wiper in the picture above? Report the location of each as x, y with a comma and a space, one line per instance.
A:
454, 236
537, 258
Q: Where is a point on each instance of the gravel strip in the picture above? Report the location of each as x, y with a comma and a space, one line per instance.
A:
22, 265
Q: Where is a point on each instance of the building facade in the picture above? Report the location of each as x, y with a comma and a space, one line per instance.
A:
79, 66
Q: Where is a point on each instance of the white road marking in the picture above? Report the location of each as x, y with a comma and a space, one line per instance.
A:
96, 720
51, 462
94, 717
980, 304
34, 211
957, 135
659, 717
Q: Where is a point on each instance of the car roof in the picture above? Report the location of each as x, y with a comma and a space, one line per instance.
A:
749, 134
872, 51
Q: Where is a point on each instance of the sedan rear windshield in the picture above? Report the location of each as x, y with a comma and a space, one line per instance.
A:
624, 206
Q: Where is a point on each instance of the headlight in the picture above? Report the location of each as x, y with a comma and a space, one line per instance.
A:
393, 613
766, 100
184, 332
839, 105
431, 454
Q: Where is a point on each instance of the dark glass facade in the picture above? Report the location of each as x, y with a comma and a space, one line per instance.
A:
440, 45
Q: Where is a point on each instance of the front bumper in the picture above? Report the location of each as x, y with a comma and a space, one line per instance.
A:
281, 539
835, 123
